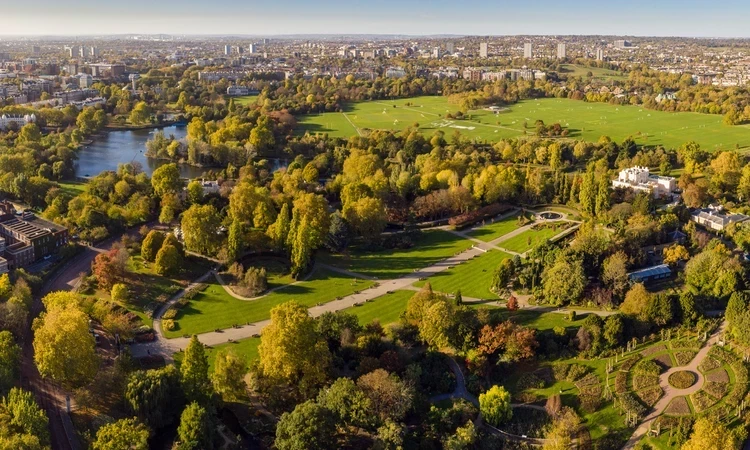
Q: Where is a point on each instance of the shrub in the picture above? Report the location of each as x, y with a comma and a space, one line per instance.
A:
690, 344
709, 364
621, 382
684, 357
629, 363
529, 381
168, 324
682, 379
631, 404
644, 381
560, 371
654, 349
255, 280
647, 367
170, 313
575, 372
470, 218
650, 396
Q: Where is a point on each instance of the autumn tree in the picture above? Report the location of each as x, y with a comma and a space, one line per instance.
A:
495, 406
196, 429
367, 216
200, 225
64, 348
151, 245
615, 273
291, 349
711, 434
564, 426
228, 378
109, 267
235, 241
119, 293
21, 416
389, 396
168, 260
141, 114
675, 253
122, 434
10, 358
166, 180
309, 427
194, 372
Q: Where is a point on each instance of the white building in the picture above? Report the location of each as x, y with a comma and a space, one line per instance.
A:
7, 120
528, 50
234, 91
483, 50
599, 54
640, 179
714, 217
395, 72
561, 53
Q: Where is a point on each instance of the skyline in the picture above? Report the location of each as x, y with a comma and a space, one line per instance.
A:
688, 18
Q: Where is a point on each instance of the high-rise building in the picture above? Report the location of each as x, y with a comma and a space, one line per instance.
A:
528, 50
69, 51
94, 51
483, 50
227, 49
561, 51
449, 47
599, 54
134, 77
36, 49
82, 51
251, 48
436, 53
622, 43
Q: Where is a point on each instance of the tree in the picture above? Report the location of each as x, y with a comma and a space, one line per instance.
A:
613, 330
615, 273
109, 267
309, 427
235, 241
122, 434
228, 378
24, 416
196, 430
279, 230
674, 254
200, 225
495, 406
119, 293
390, 397
348, 403
155, 396
64, 348
168, 260
711, 434
194, 372
141, 114
291, 349
302, 248
10, 357
195, 192
636, 301
503, 275
166, 179
563, 282
564, 427
261, 137
151, 245
367, 216
463, 439
437, 324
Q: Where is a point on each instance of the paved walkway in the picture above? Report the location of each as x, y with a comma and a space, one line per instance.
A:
670, 392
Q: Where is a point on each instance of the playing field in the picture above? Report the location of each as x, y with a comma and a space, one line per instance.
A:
583, 120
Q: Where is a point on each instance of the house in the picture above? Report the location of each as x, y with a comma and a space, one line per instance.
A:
649, 274
640, 179
714, 217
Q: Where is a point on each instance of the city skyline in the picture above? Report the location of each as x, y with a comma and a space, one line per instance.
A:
410, 17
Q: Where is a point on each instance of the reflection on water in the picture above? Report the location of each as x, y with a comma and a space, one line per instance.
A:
127, 146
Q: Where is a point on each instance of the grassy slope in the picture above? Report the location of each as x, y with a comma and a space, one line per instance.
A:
386, 308
584, 120
473, 277
215, 308
494, 230
528, 239
245, 100
434, 246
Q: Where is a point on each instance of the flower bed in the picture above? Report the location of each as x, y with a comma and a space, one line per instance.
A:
678, 407
684, 357
631, 404
621, 382
709, 364
650, 396
686, 343
644, 381
717, 390
529, 381
682, 379
654, 349
647, 367
702, 401
665, 361
718, 376
629, 363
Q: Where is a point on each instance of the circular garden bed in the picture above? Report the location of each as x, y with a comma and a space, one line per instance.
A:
682, 379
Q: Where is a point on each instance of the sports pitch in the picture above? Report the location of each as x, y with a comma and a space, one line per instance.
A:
588, 121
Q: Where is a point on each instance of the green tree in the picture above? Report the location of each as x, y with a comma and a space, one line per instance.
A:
194, 372
588, 192
495, 406
200, 224
168, 260
151, 245
262, 137
195, 192
613, 330
155, 396
367, 216
10, 358
141, 114
25, 416
166, 179
64, 348
279, 230
348, 403
123, 434
563, 282
309, 427
235, 241
291, 349
196, 430
228, 378
120, 293
636, 301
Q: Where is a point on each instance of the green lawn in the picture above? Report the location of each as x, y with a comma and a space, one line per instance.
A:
246, 348
245, 100
529, 239
72, 187
215, 308
597, 72
277, 269
587, 121
473, 277
493, 231
535, 319
433, 246
386, 308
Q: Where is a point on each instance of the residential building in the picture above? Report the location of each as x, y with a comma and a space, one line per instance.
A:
18, 121
85, 80
27, 237
449, 48
395, 72
528, 50
436, 53
473, 74
483, 50
715, 218
75, 95
251, 48
599, 54
227, 49
640, 179
561, 54
234, 91
622, 43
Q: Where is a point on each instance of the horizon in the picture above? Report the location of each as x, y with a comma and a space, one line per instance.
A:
666, 18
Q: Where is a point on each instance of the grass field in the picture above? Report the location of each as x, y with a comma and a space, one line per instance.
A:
72, 187
536, 319
582, 71
433, 246
583, 120
529, 239
246, 348
215, 308
386, 308
245, 100
277, 269
493, 231
473, 277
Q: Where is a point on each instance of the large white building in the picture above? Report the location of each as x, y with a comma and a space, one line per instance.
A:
7, 120
528, 50
640, 179
561, 53
483, 52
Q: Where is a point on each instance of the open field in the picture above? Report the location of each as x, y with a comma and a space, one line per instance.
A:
245, 100
588, 121
277, 270
245, 348
72, 187
386, 309
474, 277
215, 308
529, 239
581, 71
493, 231
433, 246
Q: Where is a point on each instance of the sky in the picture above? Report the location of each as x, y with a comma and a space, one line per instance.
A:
690, 18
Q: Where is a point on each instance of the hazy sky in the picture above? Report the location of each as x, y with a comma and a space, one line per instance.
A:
726, 18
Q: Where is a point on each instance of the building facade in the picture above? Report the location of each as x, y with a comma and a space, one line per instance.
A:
640, 179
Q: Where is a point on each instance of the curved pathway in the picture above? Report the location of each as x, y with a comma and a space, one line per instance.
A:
231, 292
670, 392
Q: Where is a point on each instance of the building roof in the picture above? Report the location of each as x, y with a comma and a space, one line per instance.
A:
660, 270
714, 215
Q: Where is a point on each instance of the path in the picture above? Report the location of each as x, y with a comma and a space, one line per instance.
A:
670, 392
231, 292
460, 391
